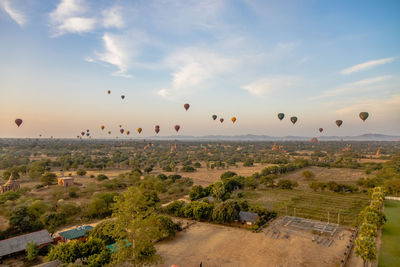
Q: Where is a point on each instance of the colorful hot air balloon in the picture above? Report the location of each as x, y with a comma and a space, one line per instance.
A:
108, 92
139, 130
281, 116
320, 130
18, 122
364, 115
339, 123
177, 127
102, 127
122, 97
221, 120
157, 129
128, 132
186, 106
121, 131
293, 119
214, 117
233, 119
82, 133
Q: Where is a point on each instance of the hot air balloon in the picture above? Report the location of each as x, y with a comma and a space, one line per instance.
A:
233, 119
364, 115
128, 132
109, 132
122, 97
82, 133
120, 126
281, 116
121, 131
18, 122
293, 119
186, 106
78, 136
320, 130
87, 134
214, 117
177, 127
221, 120
87, 130
139, 130
157, 129
108, 92
339, 123
102, 127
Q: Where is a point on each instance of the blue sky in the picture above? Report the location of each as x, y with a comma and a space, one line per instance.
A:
317, 60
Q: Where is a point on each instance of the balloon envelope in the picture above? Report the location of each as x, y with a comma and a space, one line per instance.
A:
364, 115
108, 92
122, 97
281, 116
339, 123
233, 119
18, 122
293, 119
121, 131
82, 133
320, 130
139, 130
221, 120
186, 106
177, 127
214, 117
128, 132
102, 127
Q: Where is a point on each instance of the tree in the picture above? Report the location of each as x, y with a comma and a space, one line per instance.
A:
287, 184
308, 175
227, 211
135, 213
53, 220
218, 190
365, 248
32, 250
24, 221
227, 174
48, 178
197, 192
81, 172
101, 177
248, 163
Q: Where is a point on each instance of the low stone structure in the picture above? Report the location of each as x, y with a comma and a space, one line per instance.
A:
65, 181
11, 185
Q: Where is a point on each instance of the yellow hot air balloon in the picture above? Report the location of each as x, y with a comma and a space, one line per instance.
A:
139, 130
102, 127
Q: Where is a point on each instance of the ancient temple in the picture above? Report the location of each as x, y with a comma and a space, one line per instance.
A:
11, 185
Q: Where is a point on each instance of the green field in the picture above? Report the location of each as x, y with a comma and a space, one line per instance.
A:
390, 248
310, 204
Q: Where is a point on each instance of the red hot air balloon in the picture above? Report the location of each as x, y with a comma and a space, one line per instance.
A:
157, 129
320, 130
221, 120
18, 122
82, 133
186, 106
121, 131
177, 127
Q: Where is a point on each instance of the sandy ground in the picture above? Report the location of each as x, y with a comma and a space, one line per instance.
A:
216, 245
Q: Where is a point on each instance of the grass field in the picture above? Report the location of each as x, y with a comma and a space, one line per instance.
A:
310, 204
389, 254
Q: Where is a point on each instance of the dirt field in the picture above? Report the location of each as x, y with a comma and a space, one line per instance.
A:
216, 245
339, 175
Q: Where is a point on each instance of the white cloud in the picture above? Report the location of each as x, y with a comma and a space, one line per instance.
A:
113, 18
68, 18
16, 15
366, 65
270, 84
354, 88
192, 68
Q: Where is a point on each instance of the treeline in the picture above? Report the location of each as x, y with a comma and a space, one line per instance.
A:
371, 218
333, 186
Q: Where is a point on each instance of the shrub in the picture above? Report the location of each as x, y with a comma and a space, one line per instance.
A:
81, 172
101, 177
287, 184
188, 169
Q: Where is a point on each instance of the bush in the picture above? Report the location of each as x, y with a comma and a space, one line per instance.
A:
101, 177
32, 251
188, 169
228, 174
48, 178
308, 175
81, 172
248, 163
287, 184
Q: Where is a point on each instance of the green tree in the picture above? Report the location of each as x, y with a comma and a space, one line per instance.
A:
287, 184
53, 220
24, 221
32, 251
227, 211
365, 248
81, 172
48, 178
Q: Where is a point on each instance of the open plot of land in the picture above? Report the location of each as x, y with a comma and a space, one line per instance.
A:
216, 245
339, 175
310, 204
389, 254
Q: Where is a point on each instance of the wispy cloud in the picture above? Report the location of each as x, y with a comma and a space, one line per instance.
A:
270, 84
353, 88
113, 17
192, 67
15, 14
366, 65
69, 17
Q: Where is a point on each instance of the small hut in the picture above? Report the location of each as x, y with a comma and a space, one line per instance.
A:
66, 181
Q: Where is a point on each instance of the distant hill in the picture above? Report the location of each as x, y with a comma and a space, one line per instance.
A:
251, 137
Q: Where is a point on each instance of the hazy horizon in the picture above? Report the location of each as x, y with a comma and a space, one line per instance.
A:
319, 61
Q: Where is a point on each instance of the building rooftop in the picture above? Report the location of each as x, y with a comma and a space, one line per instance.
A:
18, 243
77, 232
248, 216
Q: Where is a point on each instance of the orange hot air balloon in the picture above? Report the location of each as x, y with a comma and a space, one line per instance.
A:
128, 132
102, 127
339, 123
177, 127
186, 106
121, 131
139, 130
233, 119
320, 130
221, 120
18, 122
108, 92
